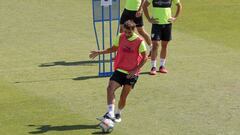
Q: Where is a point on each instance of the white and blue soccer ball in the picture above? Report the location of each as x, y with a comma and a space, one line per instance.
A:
106, 125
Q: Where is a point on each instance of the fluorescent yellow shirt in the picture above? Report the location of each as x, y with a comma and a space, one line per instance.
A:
161, 11
132, 5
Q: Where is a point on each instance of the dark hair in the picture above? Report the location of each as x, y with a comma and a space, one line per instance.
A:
130, 25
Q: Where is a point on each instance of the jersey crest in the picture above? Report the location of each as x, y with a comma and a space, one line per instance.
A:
162, 3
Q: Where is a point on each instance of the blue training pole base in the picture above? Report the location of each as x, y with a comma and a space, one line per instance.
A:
105, 74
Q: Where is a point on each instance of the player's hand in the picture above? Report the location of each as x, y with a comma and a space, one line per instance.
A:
93, 54
153, 20
172, 19
132, 74
139, 13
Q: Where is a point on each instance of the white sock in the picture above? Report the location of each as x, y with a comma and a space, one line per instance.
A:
119, 111
154, 63
162, 62
111, 110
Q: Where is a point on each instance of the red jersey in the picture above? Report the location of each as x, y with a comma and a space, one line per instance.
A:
128, 56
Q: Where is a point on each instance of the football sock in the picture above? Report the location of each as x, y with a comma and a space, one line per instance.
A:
111, 110
162, 62
154, 63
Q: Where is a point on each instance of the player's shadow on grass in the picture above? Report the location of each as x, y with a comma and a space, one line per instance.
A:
76, 63
40, 129
100, 133
86, 77
95, 76
75, 79
144, 73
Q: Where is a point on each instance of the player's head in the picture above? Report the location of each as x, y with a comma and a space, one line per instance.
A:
129, 27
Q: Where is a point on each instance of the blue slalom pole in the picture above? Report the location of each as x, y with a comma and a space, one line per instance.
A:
103, 62
110, 30
96, 36
99, 12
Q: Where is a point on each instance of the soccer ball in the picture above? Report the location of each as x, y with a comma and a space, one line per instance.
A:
106, 125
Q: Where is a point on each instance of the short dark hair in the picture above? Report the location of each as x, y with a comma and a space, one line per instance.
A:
130, 25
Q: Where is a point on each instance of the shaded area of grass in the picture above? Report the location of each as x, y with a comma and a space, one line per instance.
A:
75, 63
46, 128
199, 95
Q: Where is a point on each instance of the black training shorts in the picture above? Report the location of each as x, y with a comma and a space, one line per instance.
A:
161, 32
121, 78
131, 15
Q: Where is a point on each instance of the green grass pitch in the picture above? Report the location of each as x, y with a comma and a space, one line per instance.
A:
48, 85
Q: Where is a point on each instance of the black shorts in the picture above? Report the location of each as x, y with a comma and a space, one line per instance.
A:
131, 15
161, 32
121, 78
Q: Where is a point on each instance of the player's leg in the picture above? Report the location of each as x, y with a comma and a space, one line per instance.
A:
112, 86
122, 101
107, 121
123, 97
165, 37
163, 55
146, 37
154, 57
114, 83
142, 32
127, 87
155, 37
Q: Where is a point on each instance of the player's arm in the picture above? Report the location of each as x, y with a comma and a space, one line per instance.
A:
93, 54
134, 71
143, 52
146, 13
145, 9
114, 48
144, 60
139, 11
178, 11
